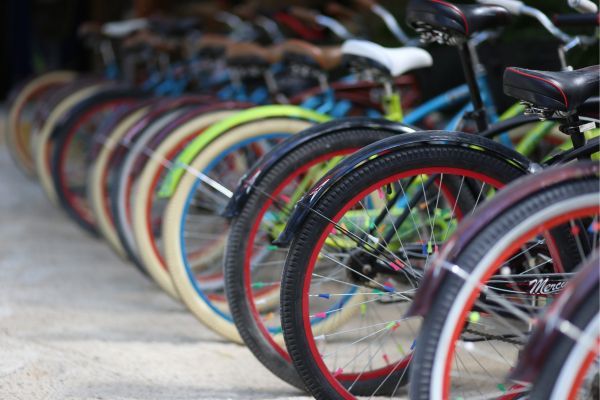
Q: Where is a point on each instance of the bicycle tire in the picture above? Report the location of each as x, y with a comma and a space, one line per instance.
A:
19, 141
442, 315
241, 240
555, 380
321, 383
148, 181
220, 322
80, 208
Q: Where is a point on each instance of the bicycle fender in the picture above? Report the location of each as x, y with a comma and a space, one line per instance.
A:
386, 146
256, 174
548, 329
202, 141
522, 188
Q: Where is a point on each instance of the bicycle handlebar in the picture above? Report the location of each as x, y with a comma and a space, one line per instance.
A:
583, 6
334, 26
517, 7
313, 17
588, 19
388, 19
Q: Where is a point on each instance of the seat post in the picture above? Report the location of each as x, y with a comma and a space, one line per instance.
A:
466, 59
571, 127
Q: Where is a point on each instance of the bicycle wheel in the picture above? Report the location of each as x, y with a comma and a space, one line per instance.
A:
571, 369
88, 124
357, 258
127, 165
116, 224
18, 134
195, 234
500, 279
253, 266
43, 142
100, 175
147, 207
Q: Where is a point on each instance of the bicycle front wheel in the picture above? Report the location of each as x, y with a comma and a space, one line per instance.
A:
500, 281
357, 259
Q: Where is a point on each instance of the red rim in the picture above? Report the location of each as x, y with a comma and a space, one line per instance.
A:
583, 371
494, 267
248, 292
334, 381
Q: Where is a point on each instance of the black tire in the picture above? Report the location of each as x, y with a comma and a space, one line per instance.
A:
241, 225
468, 259
307, 236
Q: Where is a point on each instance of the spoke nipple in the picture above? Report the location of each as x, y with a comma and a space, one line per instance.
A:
363, 308
321, 315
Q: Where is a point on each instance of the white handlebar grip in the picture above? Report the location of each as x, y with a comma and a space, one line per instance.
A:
584, 6
513, 6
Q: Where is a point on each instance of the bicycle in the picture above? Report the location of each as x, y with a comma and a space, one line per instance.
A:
355, 207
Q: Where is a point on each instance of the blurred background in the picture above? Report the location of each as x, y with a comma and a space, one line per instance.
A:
41, 35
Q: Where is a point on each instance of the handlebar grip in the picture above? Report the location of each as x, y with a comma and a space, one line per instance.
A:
583, 6
513, 6
587, 19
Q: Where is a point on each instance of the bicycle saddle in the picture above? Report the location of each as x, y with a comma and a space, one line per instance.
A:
325, 57
120, 29
454, 19
395, 61
559, 91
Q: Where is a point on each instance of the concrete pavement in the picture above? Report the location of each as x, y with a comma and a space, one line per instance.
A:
76, 322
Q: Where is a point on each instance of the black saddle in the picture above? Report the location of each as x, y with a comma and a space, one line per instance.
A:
559, 91
455, 19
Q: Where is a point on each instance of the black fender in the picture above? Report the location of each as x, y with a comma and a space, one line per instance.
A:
385, 146
259, 170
